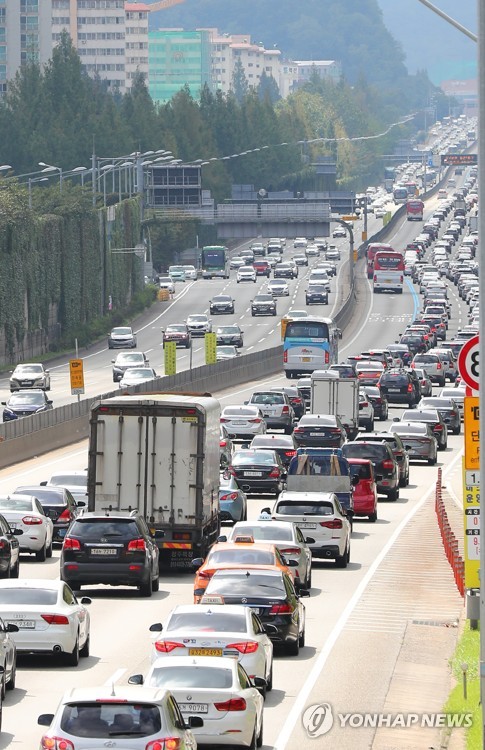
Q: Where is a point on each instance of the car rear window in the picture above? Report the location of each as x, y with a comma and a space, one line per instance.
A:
205, 621
95, 529
268, 532
363, 471
393, 378
426, 359
24, 596
246, 584
267, 398
243, 555
365, 450
297, 508
191, 677
259, 458
111, 719
46, 497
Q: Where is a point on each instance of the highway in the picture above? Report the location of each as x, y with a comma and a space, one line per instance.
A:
120, 619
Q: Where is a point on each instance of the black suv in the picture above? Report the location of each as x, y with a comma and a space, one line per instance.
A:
263, 304
400, 387
386, 468
397, 446
58, 504
112, 548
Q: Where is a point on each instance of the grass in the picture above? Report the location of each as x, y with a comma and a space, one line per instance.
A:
467, 652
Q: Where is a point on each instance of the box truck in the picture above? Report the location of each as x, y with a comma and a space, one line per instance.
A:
331, 394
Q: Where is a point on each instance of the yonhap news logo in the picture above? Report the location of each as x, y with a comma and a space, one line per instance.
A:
319, 718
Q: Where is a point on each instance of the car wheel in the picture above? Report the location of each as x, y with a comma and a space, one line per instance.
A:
48, 552
84, 652
373, 517
254, 741
294, 648
14, 572
146, 588
3, 689
341, 561
269, 682
432, 461
156, 583
72, 659
393, 494
41, 554
13, 675
259, 740
442, 382
457, 430
301, 640
370, 426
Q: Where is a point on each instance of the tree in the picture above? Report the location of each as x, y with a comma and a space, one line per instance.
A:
240, 85
268, 88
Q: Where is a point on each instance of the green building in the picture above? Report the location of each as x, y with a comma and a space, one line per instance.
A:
177, 58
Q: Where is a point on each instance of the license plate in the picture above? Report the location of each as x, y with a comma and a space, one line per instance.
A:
307, 525
13, 525
205, 651
238, 423
26, 382
103, 551
194, 708
256, 610
306, 359
315, 434
253, 473
24, 624
268, 413
394, 390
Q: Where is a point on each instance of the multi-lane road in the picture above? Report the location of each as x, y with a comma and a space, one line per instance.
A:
120, 619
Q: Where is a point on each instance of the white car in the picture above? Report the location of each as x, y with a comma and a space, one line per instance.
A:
137, 375
237, 262
121, 717
243, 422
49, 618
75, 481
199, 324
30, 376
246, 273
206, 687
332, 253
278, 288
190, 272
226, 352
166, 282
300, 242
26, 513
319, 276
312, 251
216, 630
339, 232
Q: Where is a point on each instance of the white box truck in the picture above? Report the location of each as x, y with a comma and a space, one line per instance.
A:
331, 394
158, 454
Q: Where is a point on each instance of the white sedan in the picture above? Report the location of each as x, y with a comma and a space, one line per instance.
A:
216, 630
278, 288
49, 618
216, 689
76, 481
26, 513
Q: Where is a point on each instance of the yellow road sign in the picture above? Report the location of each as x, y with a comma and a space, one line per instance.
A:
471, 508
170, 352
76, 373
210, 348
472, 432
351, 217
364, 236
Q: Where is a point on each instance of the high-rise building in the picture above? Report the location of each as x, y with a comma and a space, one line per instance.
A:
25, 35
178, 58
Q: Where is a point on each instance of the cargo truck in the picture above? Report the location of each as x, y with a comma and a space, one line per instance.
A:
322, 470
158, 454
331, 394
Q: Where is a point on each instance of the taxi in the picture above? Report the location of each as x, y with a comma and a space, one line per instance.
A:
242, 552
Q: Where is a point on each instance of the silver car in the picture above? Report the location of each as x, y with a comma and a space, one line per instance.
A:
243, 422
124, 360
30, 376
122, 338
418, 439
278, 288
199, 325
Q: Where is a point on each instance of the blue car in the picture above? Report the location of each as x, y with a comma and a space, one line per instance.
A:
25, 403
233, 503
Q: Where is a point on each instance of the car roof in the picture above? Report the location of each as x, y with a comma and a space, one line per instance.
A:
31, 583
213, 662
236, 609
112, 692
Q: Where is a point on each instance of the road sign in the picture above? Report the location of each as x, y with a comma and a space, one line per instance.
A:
453, 159
468, 363
76, 373
350, 217
170, 354
471, 508
210, 348
472, 432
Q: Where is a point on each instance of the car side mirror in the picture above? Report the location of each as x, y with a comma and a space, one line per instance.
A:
17, 532
45, 720
197, 562
355, 480
396, 419
309, 540
80, 504
246, 402
43, 484
194, 722
303, 592
49, 401
157, 627
112, 361
269, 629
135, 679
11, 628
222, 538
159, 534
259, 682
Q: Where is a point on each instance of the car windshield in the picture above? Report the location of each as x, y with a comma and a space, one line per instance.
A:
33, 369
263, 298
246, 584
138, 373
190, 677
29, 398
230, 350
61, 480
121, 332
228, 329
26, 596
94, 529
174, 328
113, 718
317, 288
247, 458
222, 298
297, 508
207, 622
129, 357
363, 471
197, 318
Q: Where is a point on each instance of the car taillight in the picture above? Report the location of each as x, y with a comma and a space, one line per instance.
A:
223, 444
335, 524
70, 543
327, 357
410, 388
65, 515
165, 647
56, 743
164, 743
388, 464
438, 428
298, 429
31, 521
281, 609
234, 704
401, 279
298, 401
285, 356
375, 277
204, 574
290, 551
364, 403
274, 473
256, 420
136, 545
224, 419
285, 410
290, 453
246, 647
413, 365
56, 619
230, 496
438, 366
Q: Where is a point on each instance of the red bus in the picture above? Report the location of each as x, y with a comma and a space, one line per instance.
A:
414, 209
372, 249
388, 271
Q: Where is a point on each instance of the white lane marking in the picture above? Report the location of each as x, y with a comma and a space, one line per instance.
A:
304, 694
260, 342
249, 348
369, 312
35, 470
147, 351
114, 677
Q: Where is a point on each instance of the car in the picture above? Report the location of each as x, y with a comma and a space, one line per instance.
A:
58, 504
122, 338
145, 718
400, 354
263, 304
221, 303
398, 450
286, 536
414, 343
300, 259
76, 481
369, 373
300, 242
115, 548
246, 273
166, 282
262, 268
271, 594
433, 365
425, 383
258, 470
418, 439
248, 256
179, 333
205, 686
243, 421
327, 265
332, 253
49, 618
25, 404
321, 519
30, 375
278, 288
400, 387
316, 294
200, 628
27, 514
8, 660
378, 401
449, 362
319, 277
435, 421
137, 376
296, 398
366, 411
276, 409
229, 335
9, 549
124, 360
285, 271
345, 370
365, 491
258, 248
339, 232
386, 468
448, 408
176, 273
236, 262
226, 352
233, 503
457, 394
284, 445
199, 324
295, 314
226, 447
190, 272
320, 430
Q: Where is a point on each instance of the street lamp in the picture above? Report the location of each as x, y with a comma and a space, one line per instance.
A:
5, 167
82, 170
51, 168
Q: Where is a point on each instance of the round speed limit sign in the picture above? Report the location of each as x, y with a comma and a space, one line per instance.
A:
468, 363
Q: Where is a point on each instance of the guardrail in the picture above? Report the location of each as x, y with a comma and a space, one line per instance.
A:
448, 537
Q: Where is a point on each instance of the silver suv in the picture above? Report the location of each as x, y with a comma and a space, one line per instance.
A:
434, 366
276, 409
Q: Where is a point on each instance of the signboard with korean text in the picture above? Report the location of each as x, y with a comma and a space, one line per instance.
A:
472, 432
170, 352
76, 373
471, 508
210, 348
451, 160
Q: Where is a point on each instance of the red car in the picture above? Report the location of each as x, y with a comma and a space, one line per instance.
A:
262, 268
365, 491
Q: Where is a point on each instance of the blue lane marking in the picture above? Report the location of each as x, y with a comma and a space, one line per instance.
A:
415, 297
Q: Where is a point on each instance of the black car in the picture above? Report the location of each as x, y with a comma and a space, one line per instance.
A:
227, 335
58, 504
378, 401
284, 271
399, 386
258, 470
113, 548
399, 451
345, 370
320, 431
9, 550
316, 295
386, 469
447, 407
222, 303
272, 595
432, 417
263, 304
25, 403
284, 445
296, 397
415, 344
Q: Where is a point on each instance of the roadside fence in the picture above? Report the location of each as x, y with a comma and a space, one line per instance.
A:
448, 537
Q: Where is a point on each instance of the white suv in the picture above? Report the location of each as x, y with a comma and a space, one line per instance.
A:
246, 273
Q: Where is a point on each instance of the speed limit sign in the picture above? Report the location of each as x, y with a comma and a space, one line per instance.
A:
468, 363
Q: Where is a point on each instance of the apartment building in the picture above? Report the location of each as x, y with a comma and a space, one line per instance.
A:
25, 35
178, 58
136, 41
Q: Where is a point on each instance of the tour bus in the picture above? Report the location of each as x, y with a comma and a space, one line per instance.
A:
214, 261
388, 271
414, 209
372, 249
310, 344
400, 194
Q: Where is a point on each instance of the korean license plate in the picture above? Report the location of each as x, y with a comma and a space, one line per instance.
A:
194, 708
253, 473
103, 551
13, 525
235, 421
307, 525
24, 624
256, 610
315, 434
394, 390
205, 651
306, 359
